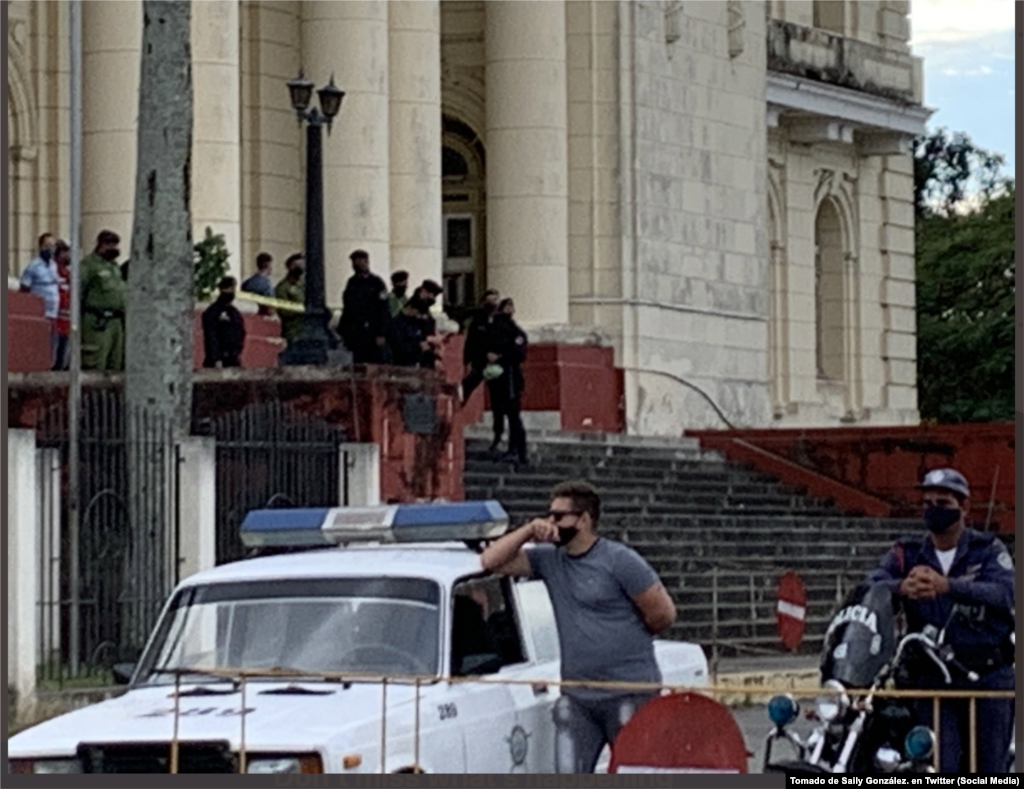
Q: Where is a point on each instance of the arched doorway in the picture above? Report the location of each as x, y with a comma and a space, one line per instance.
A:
830, 293
463, 216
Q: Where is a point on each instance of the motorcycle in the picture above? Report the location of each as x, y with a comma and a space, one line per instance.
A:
858, 731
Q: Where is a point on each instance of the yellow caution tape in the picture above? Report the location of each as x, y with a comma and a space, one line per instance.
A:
267, 301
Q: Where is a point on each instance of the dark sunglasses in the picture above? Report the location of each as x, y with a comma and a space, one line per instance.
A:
558, 515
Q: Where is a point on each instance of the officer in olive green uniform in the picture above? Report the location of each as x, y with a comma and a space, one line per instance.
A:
104, 293
292, 288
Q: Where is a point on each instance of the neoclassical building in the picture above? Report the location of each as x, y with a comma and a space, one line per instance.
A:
722, 191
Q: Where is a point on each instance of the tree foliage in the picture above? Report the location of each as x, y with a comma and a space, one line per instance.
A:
946, 166
965, 283
211, 263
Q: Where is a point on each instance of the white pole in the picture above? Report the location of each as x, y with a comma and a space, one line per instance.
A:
75, 389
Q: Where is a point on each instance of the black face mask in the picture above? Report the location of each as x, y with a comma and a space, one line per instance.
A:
111, 254
421, 305
46, 254
227, 298
566, 534
940, 519
297, 272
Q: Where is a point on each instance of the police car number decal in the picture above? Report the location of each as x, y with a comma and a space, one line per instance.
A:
447, 711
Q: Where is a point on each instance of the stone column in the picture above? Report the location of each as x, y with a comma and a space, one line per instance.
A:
350, 40
414, 46
359, 479
197, 505
111, 50
216, 129
22, 567
527, 158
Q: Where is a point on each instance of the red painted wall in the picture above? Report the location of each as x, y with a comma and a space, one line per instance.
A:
887, 462
28, 337
580, 381
28, 334
366, 403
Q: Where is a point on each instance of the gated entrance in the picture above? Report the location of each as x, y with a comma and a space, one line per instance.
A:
128, 475
270, 455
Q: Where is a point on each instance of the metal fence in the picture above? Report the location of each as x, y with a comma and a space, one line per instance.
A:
127, 536
413, 731
270, 455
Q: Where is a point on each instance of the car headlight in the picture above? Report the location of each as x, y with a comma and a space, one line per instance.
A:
56, 766
887, 759
830, 706
283, 765
782, 710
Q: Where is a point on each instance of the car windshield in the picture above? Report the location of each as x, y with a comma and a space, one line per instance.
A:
383, 626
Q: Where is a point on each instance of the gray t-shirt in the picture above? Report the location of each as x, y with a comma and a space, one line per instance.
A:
600, 631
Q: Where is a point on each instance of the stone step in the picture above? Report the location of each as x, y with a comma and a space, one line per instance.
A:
477, 437
734, 497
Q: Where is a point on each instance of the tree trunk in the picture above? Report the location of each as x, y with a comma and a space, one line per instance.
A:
160, 310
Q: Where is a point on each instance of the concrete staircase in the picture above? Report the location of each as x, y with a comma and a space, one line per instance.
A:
719, 534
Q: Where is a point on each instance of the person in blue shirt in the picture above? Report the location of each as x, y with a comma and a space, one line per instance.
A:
259, 283
962, 581
40, 278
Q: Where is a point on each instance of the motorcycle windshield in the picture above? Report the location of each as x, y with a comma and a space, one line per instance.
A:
861, 638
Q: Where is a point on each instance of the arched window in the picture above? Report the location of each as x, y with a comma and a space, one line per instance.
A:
830, 295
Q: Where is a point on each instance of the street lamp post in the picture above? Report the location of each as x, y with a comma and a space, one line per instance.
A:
312, 344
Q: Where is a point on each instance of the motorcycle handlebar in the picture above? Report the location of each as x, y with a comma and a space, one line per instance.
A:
930, 649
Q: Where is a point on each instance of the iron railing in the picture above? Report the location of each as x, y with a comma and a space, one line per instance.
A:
127, 542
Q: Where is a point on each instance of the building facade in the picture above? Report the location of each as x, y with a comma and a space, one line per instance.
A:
722, 191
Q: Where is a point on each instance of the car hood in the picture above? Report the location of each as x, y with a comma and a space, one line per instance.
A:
275, 722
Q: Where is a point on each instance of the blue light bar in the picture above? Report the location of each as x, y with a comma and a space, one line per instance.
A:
393, 523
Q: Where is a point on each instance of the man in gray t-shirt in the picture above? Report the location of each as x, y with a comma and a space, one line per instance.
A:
609, 605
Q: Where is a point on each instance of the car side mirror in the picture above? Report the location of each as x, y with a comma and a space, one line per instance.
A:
480, 665
123, 672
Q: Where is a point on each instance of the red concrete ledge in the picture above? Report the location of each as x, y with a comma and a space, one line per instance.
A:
887, 462
849, 499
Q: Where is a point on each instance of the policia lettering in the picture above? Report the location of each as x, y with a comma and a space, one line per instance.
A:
104, 294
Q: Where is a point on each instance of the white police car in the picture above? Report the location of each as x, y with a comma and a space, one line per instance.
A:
390, 593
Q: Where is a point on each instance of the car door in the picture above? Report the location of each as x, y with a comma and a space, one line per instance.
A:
486, 712
540, 637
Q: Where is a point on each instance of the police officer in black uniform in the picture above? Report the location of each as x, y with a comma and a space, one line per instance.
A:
962, 581
365, 314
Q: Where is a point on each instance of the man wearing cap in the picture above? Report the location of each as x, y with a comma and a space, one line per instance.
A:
364, 312
959, 580
104, 292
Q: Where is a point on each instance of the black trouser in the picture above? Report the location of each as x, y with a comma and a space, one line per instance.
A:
993, 725
472, 381
506, 405
365, 350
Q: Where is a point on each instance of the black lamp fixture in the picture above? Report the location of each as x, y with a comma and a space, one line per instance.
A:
312, 344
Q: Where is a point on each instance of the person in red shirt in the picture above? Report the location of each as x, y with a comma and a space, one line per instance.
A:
62, 323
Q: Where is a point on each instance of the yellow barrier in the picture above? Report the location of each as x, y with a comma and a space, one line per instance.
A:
243, 676
267, 301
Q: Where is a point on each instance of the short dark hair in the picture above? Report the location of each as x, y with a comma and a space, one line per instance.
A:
585, 497
264, 259
432, 287
359, 253
399, 276
107, 237
62, 246
43, 238
226, 282
292, 258
504, 303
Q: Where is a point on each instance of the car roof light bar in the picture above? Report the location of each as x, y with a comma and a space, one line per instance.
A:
466, 521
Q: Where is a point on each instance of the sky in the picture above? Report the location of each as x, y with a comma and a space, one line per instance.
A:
968, 51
